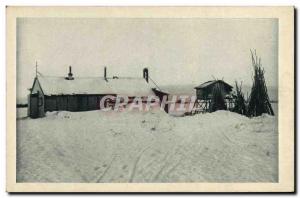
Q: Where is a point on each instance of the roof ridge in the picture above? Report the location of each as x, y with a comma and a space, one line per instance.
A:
74, 77
93, 77
124, 77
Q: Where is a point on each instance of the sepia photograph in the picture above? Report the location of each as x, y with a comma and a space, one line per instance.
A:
148, 100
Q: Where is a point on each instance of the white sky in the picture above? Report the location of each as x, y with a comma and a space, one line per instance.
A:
176, 51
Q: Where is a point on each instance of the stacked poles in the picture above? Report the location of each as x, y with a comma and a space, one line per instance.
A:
239, 102
259, 101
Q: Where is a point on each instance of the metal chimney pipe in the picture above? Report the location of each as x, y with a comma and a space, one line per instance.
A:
146, 74
70, 75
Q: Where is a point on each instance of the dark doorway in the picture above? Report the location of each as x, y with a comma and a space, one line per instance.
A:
34, 106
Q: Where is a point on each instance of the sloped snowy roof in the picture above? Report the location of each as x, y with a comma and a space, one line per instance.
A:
130, 86
211, 82
95, 85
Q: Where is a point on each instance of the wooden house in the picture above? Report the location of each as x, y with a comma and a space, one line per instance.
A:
204, 94
82, 94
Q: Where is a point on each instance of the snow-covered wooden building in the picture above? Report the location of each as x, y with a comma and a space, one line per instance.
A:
204, 93
83, 93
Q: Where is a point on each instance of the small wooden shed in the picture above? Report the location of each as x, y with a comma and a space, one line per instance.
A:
204, 94
204, 91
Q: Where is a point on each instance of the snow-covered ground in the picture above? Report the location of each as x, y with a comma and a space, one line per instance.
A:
150, 146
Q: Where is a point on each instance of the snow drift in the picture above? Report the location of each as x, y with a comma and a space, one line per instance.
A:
149, 146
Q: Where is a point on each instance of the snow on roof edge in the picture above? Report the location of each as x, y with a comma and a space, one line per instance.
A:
130, 86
